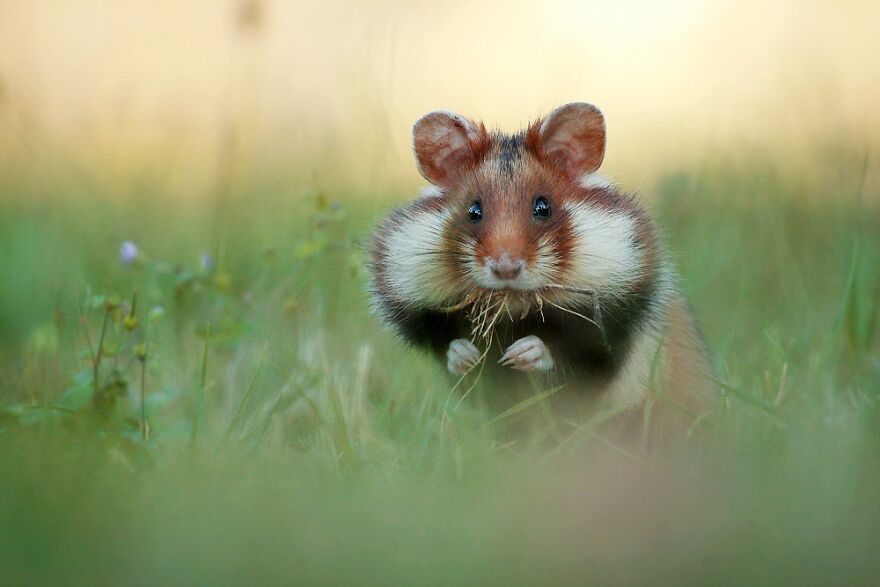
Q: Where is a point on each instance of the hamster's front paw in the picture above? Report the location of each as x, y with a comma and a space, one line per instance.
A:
461, 356
527, 354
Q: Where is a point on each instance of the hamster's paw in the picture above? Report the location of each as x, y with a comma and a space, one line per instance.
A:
461, 356
527, 354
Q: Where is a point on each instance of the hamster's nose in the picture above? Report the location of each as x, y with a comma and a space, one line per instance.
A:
506, 267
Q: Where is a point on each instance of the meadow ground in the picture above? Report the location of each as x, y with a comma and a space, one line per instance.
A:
288, 437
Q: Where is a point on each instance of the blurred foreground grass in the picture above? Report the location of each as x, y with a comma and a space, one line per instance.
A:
289, 438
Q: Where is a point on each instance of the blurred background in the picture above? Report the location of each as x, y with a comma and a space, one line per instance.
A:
178, 90
193, 389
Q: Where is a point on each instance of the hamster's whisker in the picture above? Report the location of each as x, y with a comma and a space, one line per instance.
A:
564, 309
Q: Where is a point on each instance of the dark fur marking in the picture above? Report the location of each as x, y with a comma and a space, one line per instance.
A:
509, 149
429, 329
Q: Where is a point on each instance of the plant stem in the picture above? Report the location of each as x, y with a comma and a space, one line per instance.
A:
96, 364
197, 404
143, 395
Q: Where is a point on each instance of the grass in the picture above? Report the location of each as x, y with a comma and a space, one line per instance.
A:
246, 420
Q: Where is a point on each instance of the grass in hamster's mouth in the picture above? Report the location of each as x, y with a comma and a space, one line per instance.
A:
485, 308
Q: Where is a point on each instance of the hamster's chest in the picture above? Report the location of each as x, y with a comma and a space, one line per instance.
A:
577, 346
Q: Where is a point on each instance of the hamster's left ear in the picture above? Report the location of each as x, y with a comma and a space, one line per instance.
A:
446, 145
572, 138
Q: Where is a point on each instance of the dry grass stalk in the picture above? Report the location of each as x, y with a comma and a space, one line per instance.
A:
484, 308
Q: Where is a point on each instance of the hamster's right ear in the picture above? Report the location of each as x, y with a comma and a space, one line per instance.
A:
446, 144
572, 138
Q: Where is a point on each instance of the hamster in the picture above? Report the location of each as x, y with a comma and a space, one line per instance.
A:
521, 256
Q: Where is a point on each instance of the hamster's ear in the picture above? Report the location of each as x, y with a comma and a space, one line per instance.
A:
446, 144
572, 138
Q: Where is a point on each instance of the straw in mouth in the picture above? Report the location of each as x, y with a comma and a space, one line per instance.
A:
484, 308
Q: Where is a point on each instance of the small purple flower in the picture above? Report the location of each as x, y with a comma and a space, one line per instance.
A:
206, 262
128, 252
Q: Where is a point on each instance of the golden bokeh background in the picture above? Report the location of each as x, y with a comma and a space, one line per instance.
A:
328, 90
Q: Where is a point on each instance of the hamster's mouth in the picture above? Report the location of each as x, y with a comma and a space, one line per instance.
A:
522, 283
512, 289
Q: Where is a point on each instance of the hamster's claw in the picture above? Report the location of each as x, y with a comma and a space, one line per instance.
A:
528, 354
461, 356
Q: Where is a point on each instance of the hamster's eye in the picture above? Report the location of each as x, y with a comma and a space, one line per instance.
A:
475, 212
541, 209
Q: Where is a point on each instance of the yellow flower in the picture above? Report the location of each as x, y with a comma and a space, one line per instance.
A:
130, 322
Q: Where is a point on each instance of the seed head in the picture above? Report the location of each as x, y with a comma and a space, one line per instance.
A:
130, 322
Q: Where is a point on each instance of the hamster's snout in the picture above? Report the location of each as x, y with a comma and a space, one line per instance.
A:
506, 267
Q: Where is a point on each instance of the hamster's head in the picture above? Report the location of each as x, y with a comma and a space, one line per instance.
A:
527, 211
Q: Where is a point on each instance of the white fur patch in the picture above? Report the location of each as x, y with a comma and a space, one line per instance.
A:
606, 255
415, 270
527, 280
594, 180
430, 191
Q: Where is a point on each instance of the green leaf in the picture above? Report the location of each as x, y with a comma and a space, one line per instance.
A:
79, 394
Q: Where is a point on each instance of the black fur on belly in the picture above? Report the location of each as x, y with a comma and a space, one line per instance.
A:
579, 348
